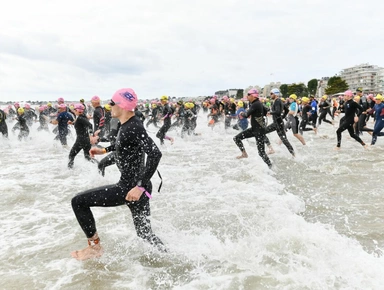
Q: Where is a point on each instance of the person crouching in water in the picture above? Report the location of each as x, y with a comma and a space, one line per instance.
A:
257, 130
83, 128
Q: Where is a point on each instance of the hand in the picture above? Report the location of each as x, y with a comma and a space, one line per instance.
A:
96, 151
134, 194
96, 133
70, 123
93, 139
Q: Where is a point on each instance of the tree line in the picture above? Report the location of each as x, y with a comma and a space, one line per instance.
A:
335, 85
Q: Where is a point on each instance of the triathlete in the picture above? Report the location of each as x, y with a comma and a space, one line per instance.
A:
134, 187
62, 124
276, 111
257, 130
379, 114
166, 117
83, 129
351, 108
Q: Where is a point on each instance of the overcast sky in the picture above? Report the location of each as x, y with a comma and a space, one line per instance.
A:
78, 49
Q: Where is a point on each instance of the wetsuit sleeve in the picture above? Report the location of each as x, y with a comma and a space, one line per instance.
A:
359, 110
85, 123
251, 110
276, 108
153, 157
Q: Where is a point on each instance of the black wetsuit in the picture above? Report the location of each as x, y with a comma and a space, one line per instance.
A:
351, 108
187, 124
323, 108
24, 130
257, 130
167, 114
363, 118
43, 120
277, 109
304, 119
83, 128
140, 115
3, 124
110, 158
99, 120
230, 113
179, 113
131, 144
30, 116
154, 117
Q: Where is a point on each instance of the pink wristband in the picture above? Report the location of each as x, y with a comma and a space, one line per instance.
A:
146, 192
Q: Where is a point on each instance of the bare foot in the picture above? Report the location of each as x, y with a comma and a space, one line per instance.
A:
271, 151
89, 252
243, 155
337, 148
172, 140
315, 129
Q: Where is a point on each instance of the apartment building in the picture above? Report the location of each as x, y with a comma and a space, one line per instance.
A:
363, 75
267, 88
322, 85
253, 87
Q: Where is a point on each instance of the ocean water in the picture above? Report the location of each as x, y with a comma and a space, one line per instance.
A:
312, 222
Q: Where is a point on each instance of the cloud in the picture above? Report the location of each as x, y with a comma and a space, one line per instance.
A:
82, 48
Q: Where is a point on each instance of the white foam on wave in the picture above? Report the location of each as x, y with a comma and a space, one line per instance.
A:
228, 223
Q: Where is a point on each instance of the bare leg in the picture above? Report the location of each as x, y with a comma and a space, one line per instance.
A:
301, 139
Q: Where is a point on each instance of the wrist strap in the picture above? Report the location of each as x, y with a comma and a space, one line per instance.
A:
146, 192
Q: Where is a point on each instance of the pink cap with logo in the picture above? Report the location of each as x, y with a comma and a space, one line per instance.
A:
95, 99
79, 107
253, 92
125, 99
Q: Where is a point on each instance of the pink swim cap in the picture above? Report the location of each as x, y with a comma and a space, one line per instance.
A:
253, 92
60, 100
348, 93
95, 99
79, 107
212, 101
225, 98
16, 104
62, 106
27, 106
125, 99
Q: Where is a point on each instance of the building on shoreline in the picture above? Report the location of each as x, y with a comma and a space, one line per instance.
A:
369, 77
267, 88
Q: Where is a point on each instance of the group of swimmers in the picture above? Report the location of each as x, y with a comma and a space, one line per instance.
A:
130, 142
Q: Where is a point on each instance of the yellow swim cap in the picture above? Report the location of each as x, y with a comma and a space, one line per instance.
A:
240, 104
107, 107
20, 110
293, 96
